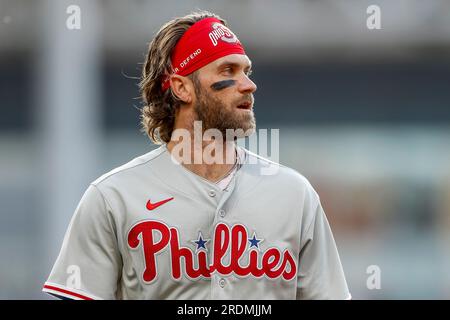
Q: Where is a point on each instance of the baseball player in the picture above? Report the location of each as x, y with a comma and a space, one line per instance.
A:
167, 225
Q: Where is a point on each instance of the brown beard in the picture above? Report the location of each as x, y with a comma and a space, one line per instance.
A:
214, 114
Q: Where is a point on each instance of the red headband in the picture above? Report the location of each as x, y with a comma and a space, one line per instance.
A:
205, 41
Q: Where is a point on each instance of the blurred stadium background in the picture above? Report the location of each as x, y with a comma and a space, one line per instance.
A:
363, 114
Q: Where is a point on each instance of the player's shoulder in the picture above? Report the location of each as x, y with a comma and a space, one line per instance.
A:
269, 168
278, 174
135, 167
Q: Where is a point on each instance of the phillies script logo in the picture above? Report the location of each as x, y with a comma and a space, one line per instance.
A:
271, 263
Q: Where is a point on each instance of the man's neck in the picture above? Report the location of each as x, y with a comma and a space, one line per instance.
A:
211, 160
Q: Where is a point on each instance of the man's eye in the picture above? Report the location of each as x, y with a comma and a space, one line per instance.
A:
228, 70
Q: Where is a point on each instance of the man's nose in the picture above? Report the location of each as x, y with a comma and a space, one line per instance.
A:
246, 85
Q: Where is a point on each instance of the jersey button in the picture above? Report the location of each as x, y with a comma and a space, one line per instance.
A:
222, 213
222, 282
212, 193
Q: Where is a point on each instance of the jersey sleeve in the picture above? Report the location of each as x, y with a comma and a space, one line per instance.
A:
88, 266
320, 272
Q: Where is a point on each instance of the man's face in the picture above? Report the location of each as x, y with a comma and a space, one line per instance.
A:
224, 94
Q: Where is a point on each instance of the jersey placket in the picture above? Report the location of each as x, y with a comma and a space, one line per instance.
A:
219, 282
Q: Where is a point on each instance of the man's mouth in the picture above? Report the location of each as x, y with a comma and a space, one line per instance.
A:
245, 105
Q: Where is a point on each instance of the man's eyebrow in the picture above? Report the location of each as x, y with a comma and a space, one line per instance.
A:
234, 65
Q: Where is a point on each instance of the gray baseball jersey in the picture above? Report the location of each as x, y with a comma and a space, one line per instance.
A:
151, 229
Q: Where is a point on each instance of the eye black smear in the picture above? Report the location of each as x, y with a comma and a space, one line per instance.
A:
219, 85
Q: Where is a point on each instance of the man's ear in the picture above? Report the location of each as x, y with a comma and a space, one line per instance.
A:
182, 87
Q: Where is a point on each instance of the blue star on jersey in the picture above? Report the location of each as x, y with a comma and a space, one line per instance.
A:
201, 243
254, 242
